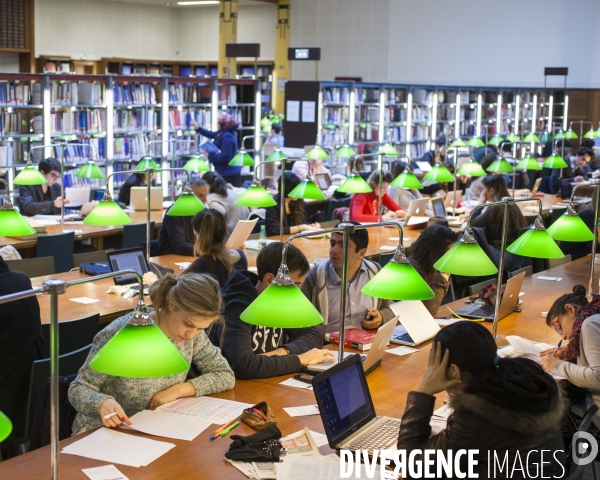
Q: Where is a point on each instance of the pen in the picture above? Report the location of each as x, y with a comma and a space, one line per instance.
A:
219, 430
106, 417
262, 415
256, 415
225, 432
557, 348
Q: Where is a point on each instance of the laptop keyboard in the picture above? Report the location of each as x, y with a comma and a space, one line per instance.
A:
405, 337
385, 434
483, 311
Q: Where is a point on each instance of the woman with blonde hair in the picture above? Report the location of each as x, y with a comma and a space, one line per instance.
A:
214, 258
184, 307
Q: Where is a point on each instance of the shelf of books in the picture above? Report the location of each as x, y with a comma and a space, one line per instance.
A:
367, 117
395, 116
240, 97
264, 73
421, 130
446, 112
467, 120
335, 110
507, 103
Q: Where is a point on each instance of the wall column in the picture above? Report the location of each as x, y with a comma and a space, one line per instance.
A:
281, 72
228, 13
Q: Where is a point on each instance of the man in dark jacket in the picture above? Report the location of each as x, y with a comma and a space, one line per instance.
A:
46, 199
21, 343
260, 352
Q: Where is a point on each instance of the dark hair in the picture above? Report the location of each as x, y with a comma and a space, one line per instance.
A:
577, 298
374, 178
507, 146
431, 245
515, 383
49, 165
441, 140
397, 168
269, 260
216, 183
581, 151
297, 215
587, 144
276, 127
360, 237
488, 159
197, 182
516, 219
211, 230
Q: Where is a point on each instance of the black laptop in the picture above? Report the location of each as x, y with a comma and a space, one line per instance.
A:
127, 259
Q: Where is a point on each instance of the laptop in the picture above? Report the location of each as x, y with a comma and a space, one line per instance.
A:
449, 200
347, 410
138, 198
508, 302
536, 186
370, 361
439, 210
417, 208
129, 258
323, 180
418, 325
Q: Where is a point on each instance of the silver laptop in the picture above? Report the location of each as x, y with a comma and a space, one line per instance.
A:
439, 210
508, 303
416, 208
139, 195
418, 325
371, 360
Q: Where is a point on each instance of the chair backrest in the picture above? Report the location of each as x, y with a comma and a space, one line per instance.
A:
73, 334
528, 271
556, 213
89, 257
68, 364
333, 204
555, 262
60, 247
475, 289
576, 471
384, 258
135, 234
33, 267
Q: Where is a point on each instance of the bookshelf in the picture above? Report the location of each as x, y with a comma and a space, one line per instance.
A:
264, 73
395, 116
240, 98
421, 127
335, 113
367, 117
467, 120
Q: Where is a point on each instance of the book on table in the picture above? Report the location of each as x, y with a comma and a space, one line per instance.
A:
354, 337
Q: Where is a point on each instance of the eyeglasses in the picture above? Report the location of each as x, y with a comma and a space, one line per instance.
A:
53, 176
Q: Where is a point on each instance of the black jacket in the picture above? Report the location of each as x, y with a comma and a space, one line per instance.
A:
272, 219
227, 143
481, 423
21, 342
243, 343
176, 236
32, 200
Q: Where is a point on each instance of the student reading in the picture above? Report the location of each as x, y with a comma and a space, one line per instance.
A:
365, 206
323, 285
222, 197
260, 352
183, 308
45, 198
509, 406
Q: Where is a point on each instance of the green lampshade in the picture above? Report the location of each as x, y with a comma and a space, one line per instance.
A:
398, 281
546, 137
198, 164
282, 306
536, 244
495, 140
500, 165
345, 151
511, 137
475, 142
466, 259
30, 176
276, 156
472, 169
307, 189
559, 135
570, 228
354, 184
12, 224
107, 213
388, 150
5, 427
458, 143
598, 133
554, 161
256, 196
591, 133
570, 135
186, 205
406, 180
438, 173
146, 163
317, 153
139, 352
90, 170
242, 159
528, 163
531, 138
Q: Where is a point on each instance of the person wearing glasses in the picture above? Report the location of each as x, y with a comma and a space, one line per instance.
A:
45, 198
577, 321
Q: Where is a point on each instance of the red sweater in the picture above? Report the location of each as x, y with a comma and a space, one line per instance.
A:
364, 206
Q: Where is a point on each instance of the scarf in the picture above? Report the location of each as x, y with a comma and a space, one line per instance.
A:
586, 311
226, 121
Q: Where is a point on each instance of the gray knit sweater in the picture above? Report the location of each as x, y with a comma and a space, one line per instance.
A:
91, 388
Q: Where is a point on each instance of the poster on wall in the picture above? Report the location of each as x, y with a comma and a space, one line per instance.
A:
308, 112
293, 111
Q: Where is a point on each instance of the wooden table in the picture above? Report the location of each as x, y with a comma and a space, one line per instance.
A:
389, 385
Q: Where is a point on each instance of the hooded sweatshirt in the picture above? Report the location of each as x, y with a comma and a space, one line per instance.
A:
242, 343
227, 142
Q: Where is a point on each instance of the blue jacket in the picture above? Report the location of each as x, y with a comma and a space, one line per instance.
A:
228, 144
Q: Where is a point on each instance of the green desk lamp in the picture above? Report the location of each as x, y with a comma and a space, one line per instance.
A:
512, 138
546, 137
471, 169
307, 189
354, 184
569, 134
90, 170
388, 150
146, 163
458, 143
345, 151
277, 156
528, 163
242, 158
531, 138
438, 173
5, 427
406, 179
256, 196
554, 161
29, 175
495, 140
12, 224
317, 153
196, 164
475, 142
107, 213
500, 165
187, 205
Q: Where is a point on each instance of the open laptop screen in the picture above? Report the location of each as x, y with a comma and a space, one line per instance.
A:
439, 209
343, 397
131, 258
323, 180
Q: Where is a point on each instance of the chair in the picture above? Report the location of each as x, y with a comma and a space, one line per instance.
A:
68, 364
528, 271
576, 471
73, 334
134, 235
334, 204
555, 262
89, 257
476, 288
60, 247
153, 247
384, 258
33, 267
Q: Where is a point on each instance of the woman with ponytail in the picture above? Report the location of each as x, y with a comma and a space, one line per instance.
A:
214, 258
577, 321
504, 406
183, 308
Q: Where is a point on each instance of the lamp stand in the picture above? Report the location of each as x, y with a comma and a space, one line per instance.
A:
596, 185
380, 189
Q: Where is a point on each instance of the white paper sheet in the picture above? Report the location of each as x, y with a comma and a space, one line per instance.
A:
106, 472
216, 409
183, 265
308, 111
323, 468
402, 350
166, 423
292, 382
292, 113
444, 322
116, 447
240, 233
550, 279
439, 419
302, 411
84, 300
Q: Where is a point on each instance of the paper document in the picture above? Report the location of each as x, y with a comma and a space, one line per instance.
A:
77, 196
253, 244
300, 443
240, 233
292, 382
323, 468
115, 447
107, 472
216, 409
439, 419
319, 438
550, 279
166, 423
401, 350
526, 348
302, 411
84, 300
415, 220
444, 322
183, 265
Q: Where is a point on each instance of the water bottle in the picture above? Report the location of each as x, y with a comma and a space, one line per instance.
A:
262, 239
